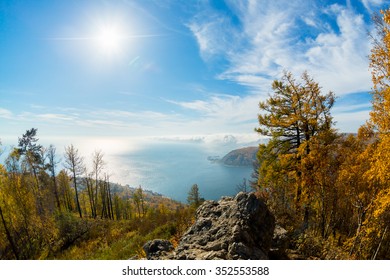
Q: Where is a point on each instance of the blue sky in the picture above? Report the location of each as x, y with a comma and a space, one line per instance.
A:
173, 69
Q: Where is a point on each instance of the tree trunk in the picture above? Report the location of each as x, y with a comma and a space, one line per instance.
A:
90, 195
56, 191
9, 237
380, 243
77, 194
110, 200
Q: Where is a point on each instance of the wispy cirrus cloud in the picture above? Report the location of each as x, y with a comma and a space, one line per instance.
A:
91, 121
55, 117
5, 114
369, 4
231, 109
206, 27
80, 126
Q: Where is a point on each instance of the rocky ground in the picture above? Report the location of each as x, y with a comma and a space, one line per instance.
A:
238, 228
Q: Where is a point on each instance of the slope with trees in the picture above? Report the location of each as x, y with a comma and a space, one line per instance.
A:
331, 190
48, 213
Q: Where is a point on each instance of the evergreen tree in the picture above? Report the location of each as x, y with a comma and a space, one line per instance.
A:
193, 197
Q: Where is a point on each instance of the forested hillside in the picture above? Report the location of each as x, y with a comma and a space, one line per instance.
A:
75, 213
329, 190
332, 191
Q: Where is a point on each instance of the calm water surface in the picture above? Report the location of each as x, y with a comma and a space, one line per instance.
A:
172, 168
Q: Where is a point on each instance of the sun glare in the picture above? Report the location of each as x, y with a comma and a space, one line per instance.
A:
109, 39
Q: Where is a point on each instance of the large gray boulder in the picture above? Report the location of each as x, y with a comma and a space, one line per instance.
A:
238, 228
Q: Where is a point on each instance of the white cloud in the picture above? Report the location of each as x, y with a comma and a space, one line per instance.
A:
55, 117
91, 122
339, 60
368, 4
351, 113
273, 36
5, 114
330, 42
228, 109
310, 20
208, 29
351, 121
352, 108
240, 139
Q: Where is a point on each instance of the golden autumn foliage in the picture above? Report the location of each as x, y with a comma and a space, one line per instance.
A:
44, 215
294, 117
343, 189
375, 239
380, 70
332, 190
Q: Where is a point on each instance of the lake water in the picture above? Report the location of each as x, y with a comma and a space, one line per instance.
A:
172, 168
168, 167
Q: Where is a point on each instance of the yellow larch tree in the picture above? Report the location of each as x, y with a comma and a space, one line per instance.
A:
292, 117
377, 237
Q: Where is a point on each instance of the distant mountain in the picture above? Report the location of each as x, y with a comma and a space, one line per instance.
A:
152, 199
240, 157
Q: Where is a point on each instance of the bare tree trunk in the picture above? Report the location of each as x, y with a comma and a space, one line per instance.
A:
77, 194
110, 199
8, 234
380, 243
56, 192
52, 164
104, 200
75, 163
90, 196
98, 165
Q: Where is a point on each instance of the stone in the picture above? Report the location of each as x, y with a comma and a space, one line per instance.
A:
238, 228
280, 242
155, 249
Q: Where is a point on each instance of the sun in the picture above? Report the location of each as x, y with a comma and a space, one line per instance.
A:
109, 39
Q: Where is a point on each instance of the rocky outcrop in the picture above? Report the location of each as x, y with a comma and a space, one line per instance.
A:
236, 228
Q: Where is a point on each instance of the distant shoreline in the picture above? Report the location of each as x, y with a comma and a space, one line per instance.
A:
237, 158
